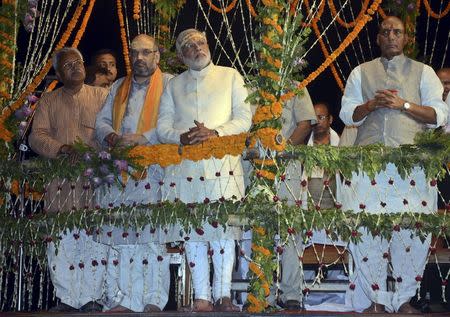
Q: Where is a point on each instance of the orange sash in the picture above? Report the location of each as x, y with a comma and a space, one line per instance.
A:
149, 113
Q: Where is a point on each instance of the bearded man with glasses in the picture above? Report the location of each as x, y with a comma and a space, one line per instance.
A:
138, 276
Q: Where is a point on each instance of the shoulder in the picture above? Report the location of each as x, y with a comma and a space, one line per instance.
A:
96, 91
49, 98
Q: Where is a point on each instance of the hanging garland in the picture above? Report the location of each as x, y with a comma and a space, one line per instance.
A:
433, 14
347, 25
123, 37
347, 41
219, 10
8, 111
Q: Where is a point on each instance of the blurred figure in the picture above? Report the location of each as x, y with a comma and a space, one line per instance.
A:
106, 59
97, 76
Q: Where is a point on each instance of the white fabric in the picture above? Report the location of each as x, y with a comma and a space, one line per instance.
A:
430, 92
408, 257
75, 285
348, 136
133, 283
361, 191
136, 97
214, 96
223, 261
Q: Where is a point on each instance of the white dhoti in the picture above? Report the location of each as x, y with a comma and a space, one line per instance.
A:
138, 271
137, 275
222, 254
388, 193
76, 268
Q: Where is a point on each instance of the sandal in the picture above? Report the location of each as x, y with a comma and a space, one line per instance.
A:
200, 305
224, 304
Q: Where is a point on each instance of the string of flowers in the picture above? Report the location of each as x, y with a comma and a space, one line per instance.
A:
325, 52
339, 20
220, 10
7, 32
7, 111
347, 41
123, 37
434, 14
137, 9
82, 29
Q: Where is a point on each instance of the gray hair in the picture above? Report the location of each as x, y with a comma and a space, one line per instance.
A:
57, 55
184, 35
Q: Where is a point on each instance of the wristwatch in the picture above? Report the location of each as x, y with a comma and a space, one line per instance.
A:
406, 106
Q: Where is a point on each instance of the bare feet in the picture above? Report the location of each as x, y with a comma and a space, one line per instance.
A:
119, 309
374, 308
406, 308
224, 304
149, 308
200, 305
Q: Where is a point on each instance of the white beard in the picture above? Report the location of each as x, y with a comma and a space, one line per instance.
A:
199, 63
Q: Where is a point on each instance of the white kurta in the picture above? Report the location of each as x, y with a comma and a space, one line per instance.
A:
138, 266
214, 96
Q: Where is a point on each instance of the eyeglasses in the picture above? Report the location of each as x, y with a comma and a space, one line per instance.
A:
194, 44
322, 117
73, 64
144, 52
386, 32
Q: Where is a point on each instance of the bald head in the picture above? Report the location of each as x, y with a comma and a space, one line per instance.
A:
144, 57
444, 76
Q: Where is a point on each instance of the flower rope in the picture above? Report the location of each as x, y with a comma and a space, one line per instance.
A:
434, 14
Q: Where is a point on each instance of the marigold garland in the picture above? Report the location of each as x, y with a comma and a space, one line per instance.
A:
220, 10
83, 25
7, 111
169, 154
347, 25
123, 37
137, 9
434, 14
350, 37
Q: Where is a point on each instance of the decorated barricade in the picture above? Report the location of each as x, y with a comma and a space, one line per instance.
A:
28, 225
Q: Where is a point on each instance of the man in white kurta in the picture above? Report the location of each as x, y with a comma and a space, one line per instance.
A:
138, 265
205, 101
390, 99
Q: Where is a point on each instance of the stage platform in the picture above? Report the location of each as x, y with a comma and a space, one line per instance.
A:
217, 314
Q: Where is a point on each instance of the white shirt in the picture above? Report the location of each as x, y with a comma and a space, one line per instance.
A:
136, 99
430, 92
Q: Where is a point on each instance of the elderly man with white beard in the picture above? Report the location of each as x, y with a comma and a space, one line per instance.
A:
204, 102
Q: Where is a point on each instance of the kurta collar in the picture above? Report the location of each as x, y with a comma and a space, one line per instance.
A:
140, 85
72, 93
396, 60
201, 73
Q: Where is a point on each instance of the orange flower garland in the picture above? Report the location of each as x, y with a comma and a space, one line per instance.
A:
123, 36
137, 9
167, 154
347, 25
434, 14
220, 10
4, 133
350, 37
268, 138
83, 25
